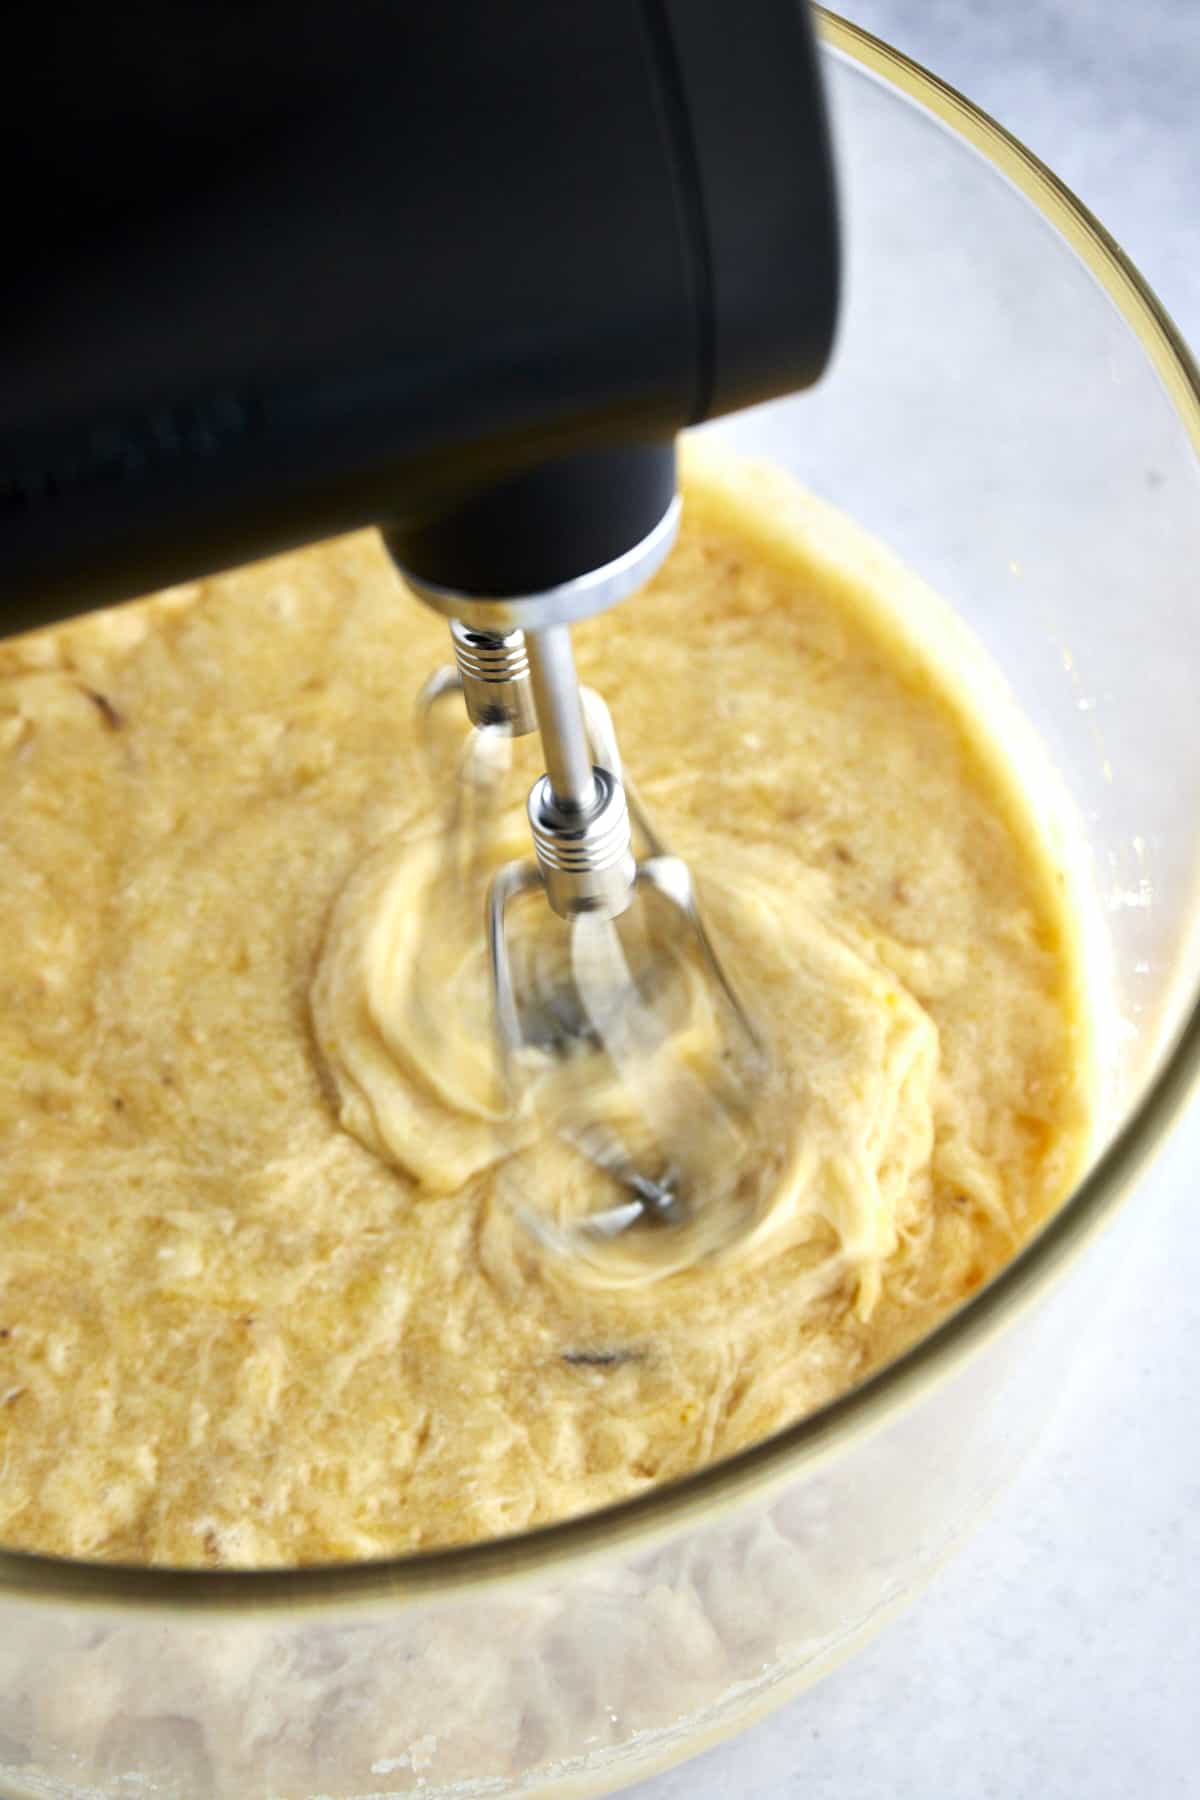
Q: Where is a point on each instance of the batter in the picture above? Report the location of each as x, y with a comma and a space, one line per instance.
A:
265, 1296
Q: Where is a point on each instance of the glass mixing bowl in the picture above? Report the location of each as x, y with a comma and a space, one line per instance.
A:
1012, 412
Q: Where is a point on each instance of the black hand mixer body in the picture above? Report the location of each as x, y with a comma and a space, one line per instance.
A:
460, 269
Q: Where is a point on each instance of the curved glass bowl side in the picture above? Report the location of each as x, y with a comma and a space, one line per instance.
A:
580, 1683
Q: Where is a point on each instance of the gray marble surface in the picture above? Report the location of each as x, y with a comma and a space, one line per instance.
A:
1107, 92
1059, 1655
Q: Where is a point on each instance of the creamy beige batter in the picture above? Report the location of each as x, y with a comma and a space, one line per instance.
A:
265, 1295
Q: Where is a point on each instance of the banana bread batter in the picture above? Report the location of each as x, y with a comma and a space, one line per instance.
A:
264, 1297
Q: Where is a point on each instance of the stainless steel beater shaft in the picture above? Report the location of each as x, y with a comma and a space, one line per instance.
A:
560, 720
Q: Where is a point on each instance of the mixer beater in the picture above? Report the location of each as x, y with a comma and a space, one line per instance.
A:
584, 819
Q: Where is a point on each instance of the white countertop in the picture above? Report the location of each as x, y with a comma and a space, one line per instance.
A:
1059, 1655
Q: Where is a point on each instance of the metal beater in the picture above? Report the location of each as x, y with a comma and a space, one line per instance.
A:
583, 816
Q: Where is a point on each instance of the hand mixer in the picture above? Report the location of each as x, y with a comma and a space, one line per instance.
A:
461, 271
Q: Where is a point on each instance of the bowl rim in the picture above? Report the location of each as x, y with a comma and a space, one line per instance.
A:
707, 1494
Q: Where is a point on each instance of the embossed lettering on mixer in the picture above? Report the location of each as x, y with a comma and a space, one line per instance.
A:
124, 449
289, 1272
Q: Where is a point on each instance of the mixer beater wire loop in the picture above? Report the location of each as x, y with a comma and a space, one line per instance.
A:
578, 1028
